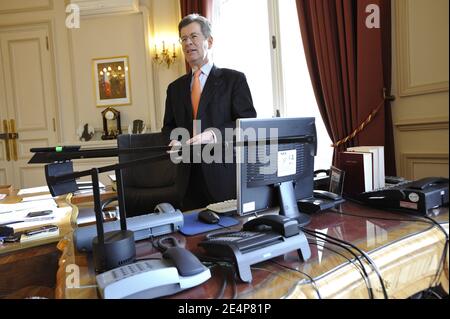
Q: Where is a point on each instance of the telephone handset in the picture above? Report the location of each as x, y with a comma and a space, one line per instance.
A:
261, 231
178, 270
260, 239
280, 224
424, 183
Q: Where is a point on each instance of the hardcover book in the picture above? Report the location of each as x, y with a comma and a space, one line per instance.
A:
378, 162
358, 168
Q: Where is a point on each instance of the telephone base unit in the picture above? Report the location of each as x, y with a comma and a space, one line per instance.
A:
144, 227
261, 246
178, 270
414, 197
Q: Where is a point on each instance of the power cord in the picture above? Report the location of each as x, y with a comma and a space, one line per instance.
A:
362, 268
366, 256
311, 279
423, 219
370, 261
350, 261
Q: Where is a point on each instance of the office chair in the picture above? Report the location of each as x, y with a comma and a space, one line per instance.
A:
147, 185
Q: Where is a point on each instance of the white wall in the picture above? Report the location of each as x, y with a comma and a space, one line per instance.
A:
105, 37
129, 35
72, 50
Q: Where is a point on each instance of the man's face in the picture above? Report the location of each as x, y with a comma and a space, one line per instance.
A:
195, 45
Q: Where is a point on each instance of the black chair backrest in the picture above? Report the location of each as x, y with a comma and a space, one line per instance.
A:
148, 185
152, 175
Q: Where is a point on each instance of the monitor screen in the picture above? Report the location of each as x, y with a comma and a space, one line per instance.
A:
275, 163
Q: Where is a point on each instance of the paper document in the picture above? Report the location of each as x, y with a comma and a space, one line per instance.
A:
88, 185
37, 198
28, 205
34, 190
19, 219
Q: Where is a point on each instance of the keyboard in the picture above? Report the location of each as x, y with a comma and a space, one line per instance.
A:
225, 207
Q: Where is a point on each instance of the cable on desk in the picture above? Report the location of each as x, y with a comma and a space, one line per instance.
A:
339, 244
423, 219
224, 282
234, 280
363, 269
349, 260
311, 279
370, 261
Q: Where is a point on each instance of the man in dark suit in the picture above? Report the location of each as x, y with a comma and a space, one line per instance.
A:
213, 97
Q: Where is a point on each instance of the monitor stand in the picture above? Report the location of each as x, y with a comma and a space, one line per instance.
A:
288, 203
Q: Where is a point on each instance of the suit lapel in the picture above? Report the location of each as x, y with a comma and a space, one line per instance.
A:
209, 90
186, 91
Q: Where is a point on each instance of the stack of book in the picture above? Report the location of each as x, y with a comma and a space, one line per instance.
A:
364, 169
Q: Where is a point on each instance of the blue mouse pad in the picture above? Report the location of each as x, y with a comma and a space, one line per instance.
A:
193, 226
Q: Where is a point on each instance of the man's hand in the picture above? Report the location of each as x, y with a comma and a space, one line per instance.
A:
204, 138
175, 145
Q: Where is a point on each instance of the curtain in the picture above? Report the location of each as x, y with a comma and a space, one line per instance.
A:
350, 66
202, 7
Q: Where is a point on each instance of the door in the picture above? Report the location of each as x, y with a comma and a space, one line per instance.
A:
28, 99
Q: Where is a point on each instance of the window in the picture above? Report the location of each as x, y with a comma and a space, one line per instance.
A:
262, 39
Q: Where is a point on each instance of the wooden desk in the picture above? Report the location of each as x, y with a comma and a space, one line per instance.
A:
28, 269
406, 252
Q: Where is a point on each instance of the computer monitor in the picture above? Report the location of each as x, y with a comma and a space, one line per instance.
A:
275, 164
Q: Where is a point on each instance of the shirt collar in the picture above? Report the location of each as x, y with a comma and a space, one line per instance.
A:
206, 69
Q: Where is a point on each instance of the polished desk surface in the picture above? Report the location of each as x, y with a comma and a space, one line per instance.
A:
29, 269
66, 224
407, 252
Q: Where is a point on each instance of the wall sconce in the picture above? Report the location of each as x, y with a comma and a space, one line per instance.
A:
164, 56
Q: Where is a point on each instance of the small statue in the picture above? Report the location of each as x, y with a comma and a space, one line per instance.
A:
138, 127
85, 132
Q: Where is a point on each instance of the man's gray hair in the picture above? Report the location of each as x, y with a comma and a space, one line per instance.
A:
194, 17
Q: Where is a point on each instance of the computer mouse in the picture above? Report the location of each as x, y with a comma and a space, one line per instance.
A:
208, 217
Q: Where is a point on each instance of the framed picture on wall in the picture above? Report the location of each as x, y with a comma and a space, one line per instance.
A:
112, 81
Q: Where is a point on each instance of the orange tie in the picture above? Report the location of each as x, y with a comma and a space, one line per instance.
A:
196, 93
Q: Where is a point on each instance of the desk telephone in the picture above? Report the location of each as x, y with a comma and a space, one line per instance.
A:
178, 270
260, 239
412, 196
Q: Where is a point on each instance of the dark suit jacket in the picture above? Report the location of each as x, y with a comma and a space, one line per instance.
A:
225, 98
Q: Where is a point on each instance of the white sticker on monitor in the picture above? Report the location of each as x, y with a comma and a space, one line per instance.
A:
287, 163
248, 207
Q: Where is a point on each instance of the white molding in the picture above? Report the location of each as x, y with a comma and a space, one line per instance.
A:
149, 67
278, 87
408, 160
49, 6
96, 8
437, 123
405, 85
